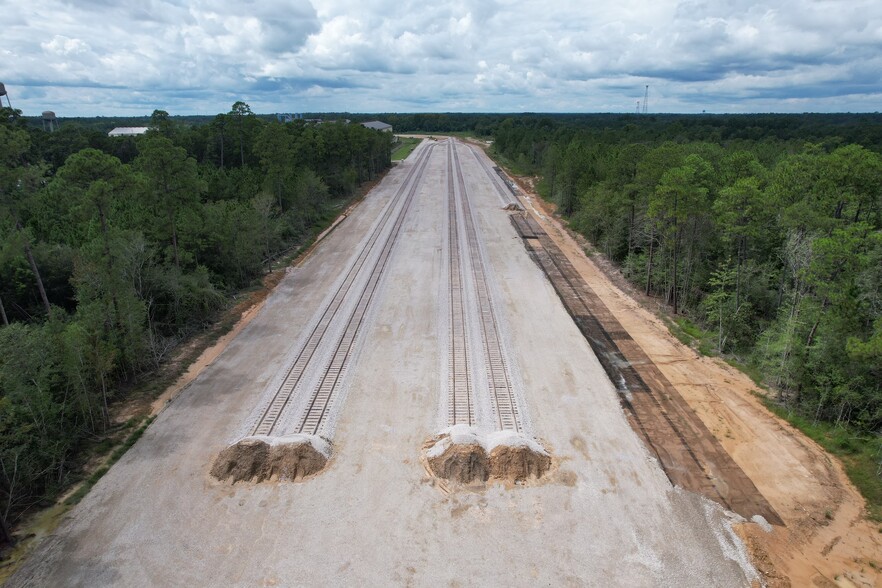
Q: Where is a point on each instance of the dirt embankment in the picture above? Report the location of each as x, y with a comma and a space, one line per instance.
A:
826, 539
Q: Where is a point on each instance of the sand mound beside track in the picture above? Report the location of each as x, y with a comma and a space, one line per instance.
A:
465, 455
515, 458
259, 458
463, 463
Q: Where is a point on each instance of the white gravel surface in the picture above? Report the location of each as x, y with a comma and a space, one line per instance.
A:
606, 516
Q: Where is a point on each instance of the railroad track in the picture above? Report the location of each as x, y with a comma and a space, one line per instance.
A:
499, 382
460, 395
312, 420
504, 194
373, 258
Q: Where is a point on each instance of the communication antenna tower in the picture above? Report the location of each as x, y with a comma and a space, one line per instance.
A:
646, 99
638, 107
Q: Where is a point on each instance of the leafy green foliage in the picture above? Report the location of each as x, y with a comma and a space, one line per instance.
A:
770, 243
113, 251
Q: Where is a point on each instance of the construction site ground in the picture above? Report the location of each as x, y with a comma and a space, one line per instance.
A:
606, 514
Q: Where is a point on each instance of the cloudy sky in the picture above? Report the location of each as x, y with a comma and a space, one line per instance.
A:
128, 57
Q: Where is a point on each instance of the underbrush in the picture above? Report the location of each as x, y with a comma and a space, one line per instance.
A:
514, 168
860, 453
691, 335
406, 146
118, 452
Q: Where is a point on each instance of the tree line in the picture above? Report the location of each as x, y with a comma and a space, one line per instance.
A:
113, 250
769, 239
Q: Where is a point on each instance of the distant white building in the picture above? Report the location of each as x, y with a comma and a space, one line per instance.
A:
127, 131
378, 126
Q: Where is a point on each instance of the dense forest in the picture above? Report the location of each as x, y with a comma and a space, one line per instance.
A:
113, 250
765, 230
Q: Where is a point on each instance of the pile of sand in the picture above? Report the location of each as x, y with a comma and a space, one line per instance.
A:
260, 458
466, 455
514, 457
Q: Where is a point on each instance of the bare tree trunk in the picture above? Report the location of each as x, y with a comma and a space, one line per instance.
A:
36, 271
113, 293
174, 227
3, 313
630, 231
738, 259
6, 533
10, 491
649, 264
674, 297
811, 336
105, 410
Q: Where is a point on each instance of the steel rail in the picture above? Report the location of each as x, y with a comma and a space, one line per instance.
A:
498, 378
317, 410
282, 397
460, 409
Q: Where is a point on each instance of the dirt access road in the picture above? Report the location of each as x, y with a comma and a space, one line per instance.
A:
605, 515
826, 540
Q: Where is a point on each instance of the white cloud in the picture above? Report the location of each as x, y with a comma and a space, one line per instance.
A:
61, 45
114, 56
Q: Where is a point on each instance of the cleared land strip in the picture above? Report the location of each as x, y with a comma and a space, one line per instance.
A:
489, 443
499, 380
322, 396
689, 454
280, 402
506, 195
460, 402
321, 364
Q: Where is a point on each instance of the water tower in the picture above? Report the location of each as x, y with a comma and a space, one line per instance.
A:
50, 121
2, 94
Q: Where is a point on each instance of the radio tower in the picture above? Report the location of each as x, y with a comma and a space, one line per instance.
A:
646, 99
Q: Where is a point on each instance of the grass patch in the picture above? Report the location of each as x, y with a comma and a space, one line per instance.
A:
89, 482
506, 163
750, 370
405, 147
691, 335
459, 134
860, 453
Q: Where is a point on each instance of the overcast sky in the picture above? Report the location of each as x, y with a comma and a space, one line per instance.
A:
129, 57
